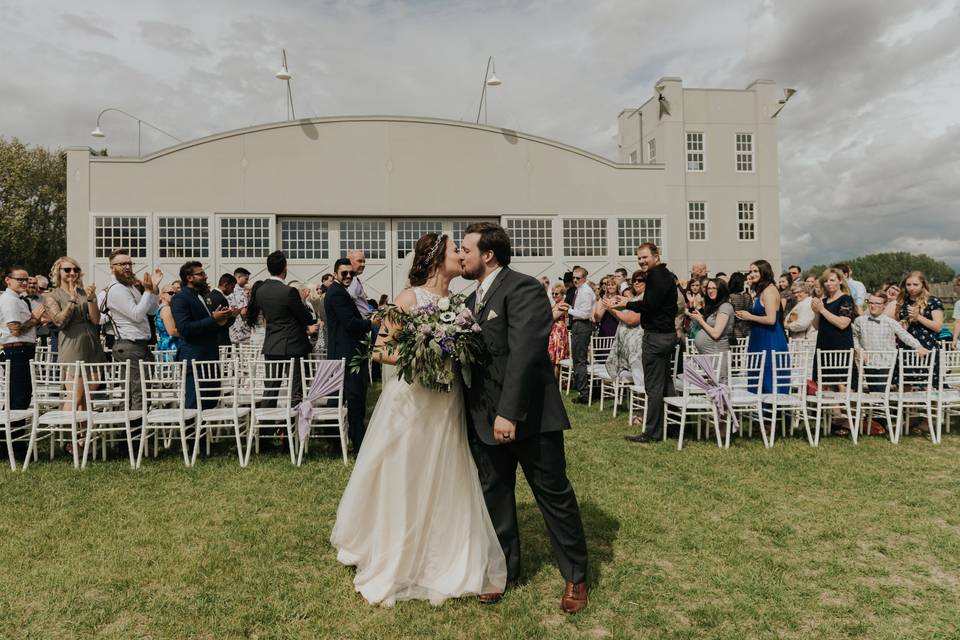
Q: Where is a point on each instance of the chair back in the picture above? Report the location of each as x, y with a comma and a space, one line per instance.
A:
949, 370
164, 355
875, 372
600, 349
271, 380
916, 370
53, 385
790, 371
43, 354
713, 362
834, 367
216, 384
746, 370
162, 385
106, 385
691, 345
5, 391
227, 352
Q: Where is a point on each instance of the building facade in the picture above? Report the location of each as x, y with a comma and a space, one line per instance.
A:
318, 187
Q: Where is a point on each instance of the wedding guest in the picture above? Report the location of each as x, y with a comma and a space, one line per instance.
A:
834, 316
199, 326
740, 300
715, 321
358, 263
799, 322
766, 319
623, 282
239, 330
658, 312
220, 297
794, 272
168, 338
347, 328
892, 292
785, 286
921, 313
128, 310
693, 295
723, 276
559, 345
876, 331
545, 281
607, 323
570, 286
627, 352
856, 288
581, 329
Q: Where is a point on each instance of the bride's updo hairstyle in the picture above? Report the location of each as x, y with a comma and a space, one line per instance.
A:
428, 255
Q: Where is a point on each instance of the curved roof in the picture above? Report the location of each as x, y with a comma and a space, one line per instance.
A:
500, 131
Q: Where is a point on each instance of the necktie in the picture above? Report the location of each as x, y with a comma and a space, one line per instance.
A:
26, 301
479, 303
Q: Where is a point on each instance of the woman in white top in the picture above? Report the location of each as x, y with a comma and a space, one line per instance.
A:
799, 323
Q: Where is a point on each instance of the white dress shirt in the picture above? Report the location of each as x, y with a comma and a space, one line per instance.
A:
130, 310
13, 308
880, 333
857, 291
359, 297
583, 303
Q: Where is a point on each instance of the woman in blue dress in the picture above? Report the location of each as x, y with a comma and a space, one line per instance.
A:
766, 320
167, 337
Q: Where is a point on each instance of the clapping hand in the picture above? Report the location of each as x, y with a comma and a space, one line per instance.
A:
221, 314
694, 315
913, 313
313, 328
817, 305
90, 290
38, 312
743, 314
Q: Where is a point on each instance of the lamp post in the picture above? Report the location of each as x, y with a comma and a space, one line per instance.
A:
489, 80
787, 94
98, 133
284, 75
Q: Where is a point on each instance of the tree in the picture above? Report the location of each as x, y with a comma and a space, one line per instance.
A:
33, 206
875, 269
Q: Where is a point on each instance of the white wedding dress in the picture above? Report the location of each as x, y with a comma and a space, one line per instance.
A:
412, 518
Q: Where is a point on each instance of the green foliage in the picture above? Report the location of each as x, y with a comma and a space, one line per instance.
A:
33, 205
875, 269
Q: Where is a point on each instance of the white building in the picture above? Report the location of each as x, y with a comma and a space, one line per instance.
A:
317, 187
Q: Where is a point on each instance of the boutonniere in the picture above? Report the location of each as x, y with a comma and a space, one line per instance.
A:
480, 306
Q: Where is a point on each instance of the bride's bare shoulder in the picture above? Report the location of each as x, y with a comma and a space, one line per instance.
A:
406, 300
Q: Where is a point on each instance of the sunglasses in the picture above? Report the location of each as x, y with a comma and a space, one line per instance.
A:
70, 269
345, 274
121, 264
578, 277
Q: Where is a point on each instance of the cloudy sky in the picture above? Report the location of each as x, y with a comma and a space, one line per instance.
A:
869, 147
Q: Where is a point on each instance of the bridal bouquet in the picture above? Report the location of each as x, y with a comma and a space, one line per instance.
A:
430, 341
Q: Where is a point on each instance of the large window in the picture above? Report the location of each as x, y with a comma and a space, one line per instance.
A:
409, 231
183, 237
746, 221
531, 237
744, 156
244, 237
632, 232
584, 237
697, 220
120, 232
459, 229
695, 152
304, 239
369, 236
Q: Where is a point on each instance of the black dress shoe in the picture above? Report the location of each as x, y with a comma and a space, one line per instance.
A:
581, 401
642, 438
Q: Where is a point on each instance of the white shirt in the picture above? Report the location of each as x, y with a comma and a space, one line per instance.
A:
583, 303
14, 309
129, 310
485, 284
857, 291
359, 297
802, 327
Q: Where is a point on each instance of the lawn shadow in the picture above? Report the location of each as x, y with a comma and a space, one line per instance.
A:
536, 550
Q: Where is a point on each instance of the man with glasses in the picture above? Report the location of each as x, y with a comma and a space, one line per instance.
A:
128, 311
199, 328
581, 328
18, 338
875, 331
346, 328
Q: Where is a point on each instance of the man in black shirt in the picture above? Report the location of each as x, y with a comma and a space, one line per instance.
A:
657, 312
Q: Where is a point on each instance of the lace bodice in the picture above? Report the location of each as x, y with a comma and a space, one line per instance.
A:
424, 296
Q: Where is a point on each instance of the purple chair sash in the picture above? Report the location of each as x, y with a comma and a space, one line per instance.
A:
698, 371
327, 381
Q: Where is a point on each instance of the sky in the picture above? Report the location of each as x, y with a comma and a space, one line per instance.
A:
869, 146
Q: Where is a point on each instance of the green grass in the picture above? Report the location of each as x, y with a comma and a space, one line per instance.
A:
837, 542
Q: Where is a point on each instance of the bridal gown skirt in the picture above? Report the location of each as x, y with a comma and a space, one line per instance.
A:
412, 518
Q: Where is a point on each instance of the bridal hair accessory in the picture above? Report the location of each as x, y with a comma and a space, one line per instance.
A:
435, 249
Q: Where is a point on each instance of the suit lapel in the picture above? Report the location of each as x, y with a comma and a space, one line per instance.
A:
488, 296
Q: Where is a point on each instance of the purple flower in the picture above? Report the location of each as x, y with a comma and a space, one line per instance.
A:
446, 345
411, 326
475, 328
440, 334
426, 329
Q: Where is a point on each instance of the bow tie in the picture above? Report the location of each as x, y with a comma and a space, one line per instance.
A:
872, 319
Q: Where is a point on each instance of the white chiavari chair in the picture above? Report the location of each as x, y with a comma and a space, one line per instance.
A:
329, 416
834, 376
596, 368
9, 417
220, 414
55, 394
162, 386
916, 392
693, 402
106, 388
270, 402
872, 395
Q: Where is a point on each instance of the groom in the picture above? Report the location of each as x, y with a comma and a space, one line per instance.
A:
515, 410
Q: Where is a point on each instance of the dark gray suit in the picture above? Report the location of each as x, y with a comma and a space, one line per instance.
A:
287, 320
517, 383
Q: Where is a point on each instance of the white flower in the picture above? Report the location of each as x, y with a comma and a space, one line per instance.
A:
447, 316
443, 304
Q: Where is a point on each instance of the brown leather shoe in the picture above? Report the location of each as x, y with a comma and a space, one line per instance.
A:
574, 597
490, 598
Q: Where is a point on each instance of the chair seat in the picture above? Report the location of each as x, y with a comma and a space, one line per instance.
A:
220, 415
169, 416
115, 417
743, 397
910, 396
600, 371
323, 414
783, 399
566, 362
949, 395
274, 414
16, 415
691, 402
60, 417
637, 388
870, 398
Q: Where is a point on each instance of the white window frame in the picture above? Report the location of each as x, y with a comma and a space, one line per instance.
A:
387, 242
420, 227
697, 226
246, 257
544, 246
160, 234
575, 228
630, 249
325, 227
651, 150
142, 250
744, 156
747, 207
694, 152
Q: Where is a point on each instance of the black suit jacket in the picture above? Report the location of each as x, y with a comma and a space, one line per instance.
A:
287, 319
516, 382
345, 326
218, 300
196, 326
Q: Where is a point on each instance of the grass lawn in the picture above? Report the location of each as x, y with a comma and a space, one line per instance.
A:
837, 542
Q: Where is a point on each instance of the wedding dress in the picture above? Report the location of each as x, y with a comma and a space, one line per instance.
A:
412, 518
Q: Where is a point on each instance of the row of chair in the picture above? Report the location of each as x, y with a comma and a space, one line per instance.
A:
236, 400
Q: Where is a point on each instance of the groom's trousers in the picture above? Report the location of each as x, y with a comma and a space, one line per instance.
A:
544, 465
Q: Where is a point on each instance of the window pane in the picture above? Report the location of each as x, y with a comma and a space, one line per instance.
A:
183, 237
409, 231
304, 239
115, 232
369, 236
244, 237
584, 237
531, 237
697, 220
632, 232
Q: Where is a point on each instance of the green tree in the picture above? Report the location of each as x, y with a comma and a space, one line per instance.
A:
33, 205
876, 268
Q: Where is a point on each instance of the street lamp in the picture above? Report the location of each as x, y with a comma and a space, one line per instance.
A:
284, 75
787, 94
98, 132
490, 79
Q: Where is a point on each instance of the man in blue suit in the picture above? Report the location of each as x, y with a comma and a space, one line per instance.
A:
198, 325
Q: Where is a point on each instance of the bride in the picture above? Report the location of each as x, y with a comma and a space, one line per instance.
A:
412, 518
